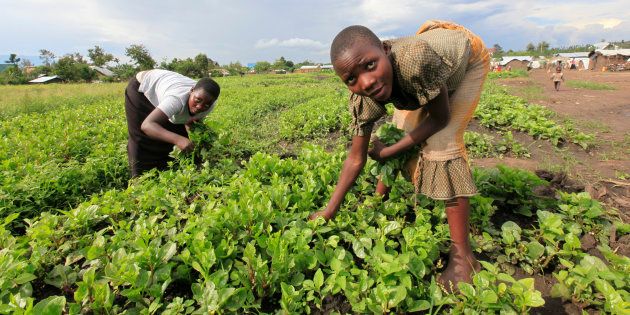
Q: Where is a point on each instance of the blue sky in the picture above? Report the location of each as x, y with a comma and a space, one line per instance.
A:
250, 31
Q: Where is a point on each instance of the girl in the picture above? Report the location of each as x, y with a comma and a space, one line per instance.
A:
434, 79
160, 106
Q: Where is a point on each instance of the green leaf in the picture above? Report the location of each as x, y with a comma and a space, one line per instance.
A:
560, 290
535, 250
318, 280
168, 251
52, 305
488, 297
467, 289
24, 278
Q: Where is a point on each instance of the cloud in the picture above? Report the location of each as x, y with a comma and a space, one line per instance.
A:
293, 42
243, 31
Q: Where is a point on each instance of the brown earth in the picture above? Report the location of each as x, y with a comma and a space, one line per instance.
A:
604, 168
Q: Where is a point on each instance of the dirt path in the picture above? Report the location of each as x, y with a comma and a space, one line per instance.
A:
604, 170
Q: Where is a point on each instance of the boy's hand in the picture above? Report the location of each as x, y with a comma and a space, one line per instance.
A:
376, 151
185, 145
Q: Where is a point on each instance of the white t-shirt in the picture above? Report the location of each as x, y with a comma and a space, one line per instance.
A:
169, 91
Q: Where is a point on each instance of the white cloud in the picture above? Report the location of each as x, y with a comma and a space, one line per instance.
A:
293, 42
243, 30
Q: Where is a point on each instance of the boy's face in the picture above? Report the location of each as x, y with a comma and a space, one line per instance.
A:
366, 71
199, 101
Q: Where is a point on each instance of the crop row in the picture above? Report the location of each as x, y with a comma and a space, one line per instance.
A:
225, 239
497, 109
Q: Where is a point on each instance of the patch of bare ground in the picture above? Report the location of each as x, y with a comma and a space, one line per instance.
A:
604, 168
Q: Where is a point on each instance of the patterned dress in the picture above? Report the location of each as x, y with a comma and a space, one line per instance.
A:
441, 53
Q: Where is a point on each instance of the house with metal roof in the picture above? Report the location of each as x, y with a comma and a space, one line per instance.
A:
46, 80
103, 71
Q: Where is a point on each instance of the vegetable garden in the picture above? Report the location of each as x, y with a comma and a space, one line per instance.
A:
226, 230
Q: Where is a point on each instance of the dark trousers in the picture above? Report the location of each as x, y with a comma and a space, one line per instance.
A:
145, 153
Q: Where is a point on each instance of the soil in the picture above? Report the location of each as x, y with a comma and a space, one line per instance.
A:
602, 170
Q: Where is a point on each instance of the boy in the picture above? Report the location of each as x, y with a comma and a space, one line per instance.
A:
434, 80
160, 106
557, 77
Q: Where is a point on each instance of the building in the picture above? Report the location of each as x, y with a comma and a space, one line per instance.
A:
516, 62
603, 59
574, 60
46, 80
102, 71
603, 45
315, 68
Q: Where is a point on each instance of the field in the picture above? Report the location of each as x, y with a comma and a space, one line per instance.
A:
226, 230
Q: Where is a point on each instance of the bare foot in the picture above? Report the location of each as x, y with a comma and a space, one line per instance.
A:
462, 264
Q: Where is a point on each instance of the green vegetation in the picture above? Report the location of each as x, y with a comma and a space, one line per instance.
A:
226, 231
517, 73
497, 109
589, 85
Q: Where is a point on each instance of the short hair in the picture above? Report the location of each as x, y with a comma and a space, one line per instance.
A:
209, 86
351, 36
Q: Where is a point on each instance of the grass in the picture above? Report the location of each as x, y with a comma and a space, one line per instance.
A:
619, 150
587, 85
518, 73
532, 92
25, 99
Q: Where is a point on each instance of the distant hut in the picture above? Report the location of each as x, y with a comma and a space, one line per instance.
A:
602, 59
307, 69
102, 72
315, 68
578, 59
46, 80
515, 62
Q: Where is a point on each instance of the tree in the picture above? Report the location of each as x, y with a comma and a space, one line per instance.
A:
531, 47
498, 50
543, 47
13, 59
201, 63
47, 57
124, 71
283, 64
99, 57
141, 57
72, 67
262, 66
236, 68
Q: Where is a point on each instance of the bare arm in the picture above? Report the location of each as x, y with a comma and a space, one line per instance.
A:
439, 116
352, 167
152, 127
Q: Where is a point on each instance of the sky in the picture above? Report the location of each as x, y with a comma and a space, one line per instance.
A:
264, 30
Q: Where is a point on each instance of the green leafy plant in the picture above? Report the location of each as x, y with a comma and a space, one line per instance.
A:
389, 134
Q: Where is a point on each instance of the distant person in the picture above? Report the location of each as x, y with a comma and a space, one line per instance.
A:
160, 106
557, 77
434, 80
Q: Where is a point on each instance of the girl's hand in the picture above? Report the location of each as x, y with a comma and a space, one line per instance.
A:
377, 149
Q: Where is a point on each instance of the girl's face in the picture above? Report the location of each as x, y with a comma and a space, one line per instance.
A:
199, 101
367, 71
